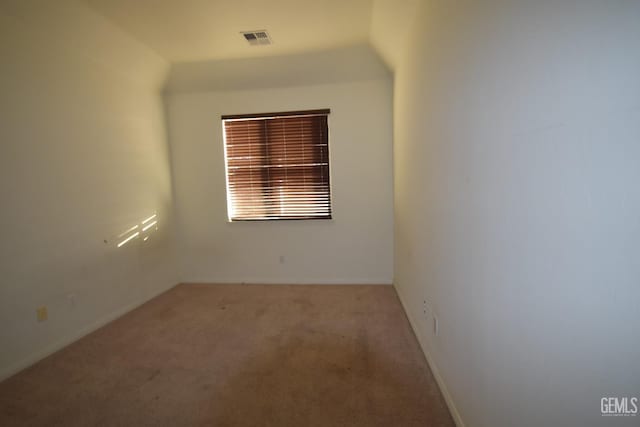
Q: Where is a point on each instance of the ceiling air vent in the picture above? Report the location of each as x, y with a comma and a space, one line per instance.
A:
257, 38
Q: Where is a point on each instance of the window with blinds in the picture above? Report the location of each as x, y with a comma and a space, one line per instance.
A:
277, 166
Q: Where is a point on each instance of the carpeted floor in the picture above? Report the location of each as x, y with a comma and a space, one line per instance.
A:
238, 355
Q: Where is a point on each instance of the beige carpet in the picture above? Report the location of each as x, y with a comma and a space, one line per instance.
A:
234, 355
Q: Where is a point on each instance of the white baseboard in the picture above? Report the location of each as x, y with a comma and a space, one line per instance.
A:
434, 368
257, 281
65, 341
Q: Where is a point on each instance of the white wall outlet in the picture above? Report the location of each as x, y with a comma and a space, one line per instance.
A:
72, 300
281, 259
436, 326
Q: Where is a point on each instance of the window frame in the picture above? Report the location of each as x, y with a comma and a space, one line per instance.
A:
275, 115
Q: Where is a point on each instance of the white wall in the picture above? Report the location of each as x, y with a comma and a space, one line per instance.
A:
354, 247
347, 64
83, 157
517, 205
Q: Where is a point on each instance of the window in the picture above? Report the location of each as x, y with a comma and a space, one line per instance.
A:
277, 166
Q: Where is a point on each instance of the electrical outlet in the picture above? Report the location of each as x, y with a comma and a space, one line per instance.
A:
281, 259
72, 300
42, 313
436, 326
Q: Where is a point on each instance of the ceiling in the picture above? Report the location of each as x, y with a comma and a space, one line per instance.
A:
391, 21
194, 30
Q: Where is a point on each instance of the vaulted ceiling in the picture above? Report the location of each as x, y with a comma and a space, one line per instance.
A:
196, 30
188, 30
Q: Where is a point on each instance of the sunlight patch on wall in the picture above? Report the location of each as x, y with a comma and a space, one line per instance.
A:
143, 229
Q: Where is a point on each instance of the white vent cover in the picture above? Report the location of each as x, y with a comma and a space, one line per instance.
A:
257, 38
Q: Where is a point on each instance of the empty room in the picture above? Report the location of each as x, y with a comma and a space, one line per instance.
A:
320, 213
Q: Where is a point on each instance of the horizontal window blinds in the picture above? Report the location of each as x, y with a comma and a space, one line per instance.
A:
278, 166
